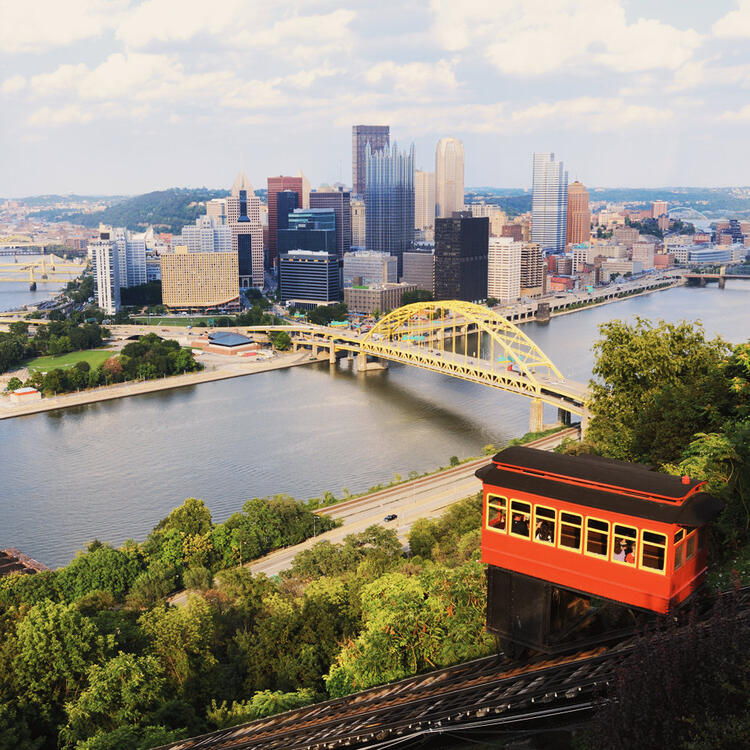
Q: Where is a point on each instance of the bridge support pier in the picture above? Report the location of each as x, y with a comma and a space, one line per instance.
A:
363, 365
584, 423
536, 415
703, 282
332, 355
722, 281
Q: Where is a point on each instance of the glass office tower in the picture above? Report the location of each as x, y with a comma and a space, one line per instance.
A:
549, 203
389, 201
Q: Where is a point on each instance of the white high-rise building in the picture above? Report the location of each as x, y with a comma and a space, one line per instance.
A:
504, 269
105, 262
424, 200
131, 250
549, 203
206, 236
449, 177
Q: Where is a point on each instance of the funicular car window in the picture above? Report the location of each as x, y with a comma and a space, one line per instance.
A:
570, 530
597, 537
624, 540
497, 512
653, 551
544, 524
520, 518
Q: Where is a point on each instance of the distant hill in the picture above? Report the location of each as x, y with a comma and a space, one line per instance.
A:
45, 200
167, 210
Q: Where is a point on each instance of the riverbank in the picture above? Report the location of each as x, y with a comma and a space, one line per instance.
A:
124, 390
611, 301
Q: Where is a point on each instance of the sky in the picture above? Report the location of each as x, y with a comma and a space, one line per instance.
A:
128, 96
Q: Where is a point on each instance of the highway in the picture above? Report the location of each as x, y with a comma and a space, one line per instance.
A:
426, 497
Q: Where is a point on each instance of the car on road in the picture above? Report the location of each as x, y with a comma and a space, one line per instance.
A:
390, 517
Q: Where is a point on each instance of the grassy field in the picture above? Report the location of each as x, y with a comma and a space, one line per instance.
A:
140, 320
94, 357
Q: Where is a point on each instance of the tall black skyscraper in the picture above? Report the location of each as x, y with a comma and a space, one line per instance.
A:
378, 136
286, 202
461, 248
338, 200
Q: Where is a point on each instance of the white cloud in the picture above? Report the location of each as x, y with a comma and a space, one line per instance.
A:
584, 114
237, 24
736, 23
13, 84
535, 37
414, 79
179, 20
135, 76
45, 24
740, 115
71, 113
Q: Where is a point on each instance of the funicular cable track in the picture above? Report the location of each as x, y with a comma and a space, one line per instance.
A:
472, 696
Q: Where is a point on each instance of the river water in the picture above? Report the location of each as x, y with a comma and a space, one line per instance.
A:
112, 470
14, 295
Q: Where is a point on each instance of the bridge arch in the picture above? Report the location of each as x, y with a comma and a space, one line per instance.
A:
426, 325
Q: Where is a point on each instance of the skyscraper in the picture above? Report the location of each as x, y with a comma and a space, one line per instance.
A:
578, 215
338, 200
449, 177
243, 218
424, 200
533, 273
276, 185
504, 269
359, 228
389, 201
549, 203
105, 263
131, 250
286, 202
461, 245
378, 136
312, 229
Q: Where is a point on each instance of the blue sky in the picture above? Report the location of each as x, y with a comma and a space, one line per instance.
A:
120, 96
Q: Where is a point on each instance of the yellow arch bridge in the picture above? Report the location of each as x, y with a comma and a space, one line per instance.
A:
437, 336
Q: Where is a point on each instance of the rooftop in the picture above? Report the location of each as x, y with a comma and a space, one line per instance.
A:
229, 339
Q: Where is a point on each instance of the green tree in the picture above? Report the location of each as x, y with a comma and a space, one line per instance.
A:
656, 385
281, 340
181, 638
103, 569
192, 517
14, 384
418, 295
263, 703
120, 692
56, 647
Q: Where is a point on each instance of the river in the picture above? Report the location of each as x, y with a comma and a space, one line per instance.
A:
112, 470
14, 295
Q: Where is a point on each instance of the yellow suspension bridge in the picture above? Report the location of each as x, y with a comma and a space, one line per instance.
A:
435, 336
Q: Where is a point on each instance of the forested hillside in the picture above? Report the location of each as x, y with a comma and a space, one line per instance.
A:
167, 210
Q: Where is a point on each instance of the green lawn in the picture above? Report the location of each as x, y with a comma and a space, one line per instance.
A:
94, 357
190, 321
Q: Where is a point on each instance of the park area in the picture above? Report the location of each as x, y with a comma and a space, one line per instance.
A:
94, 357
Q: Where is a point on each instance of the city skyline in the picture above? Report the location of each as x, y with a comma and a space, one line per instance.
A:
169, 93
